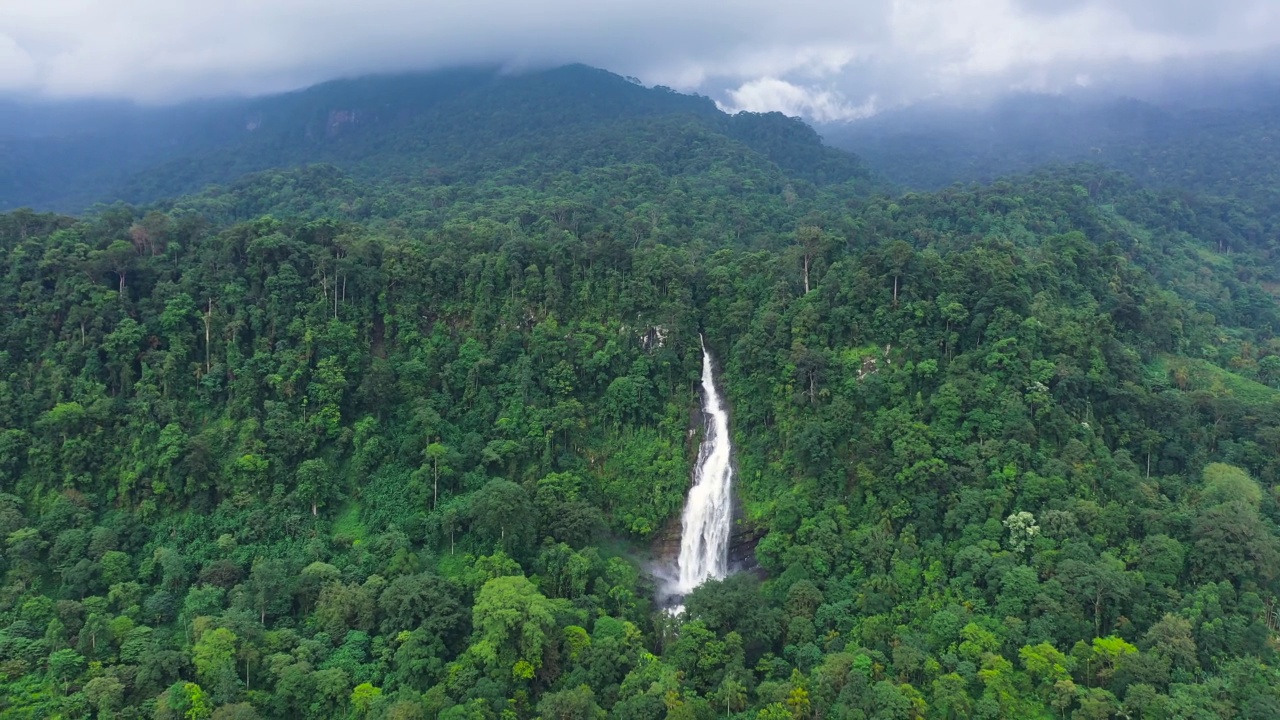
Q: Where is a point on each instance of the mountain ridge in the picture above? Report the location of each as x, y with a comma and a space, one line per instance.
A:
1228, 147
375, 126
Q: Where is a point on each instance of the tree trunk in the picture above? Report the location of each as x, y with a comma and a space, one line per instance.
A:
208, 318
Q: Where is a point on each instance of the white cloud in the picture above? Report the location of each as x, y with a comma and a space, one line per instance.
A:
817, 57
17, 69
769, 93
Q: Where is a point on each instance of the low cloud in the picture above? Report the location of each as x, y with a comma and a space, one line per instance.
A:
824, 60
768, 94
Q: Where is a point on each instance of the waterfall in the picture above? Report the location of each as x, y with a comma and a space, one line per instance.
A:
704, 539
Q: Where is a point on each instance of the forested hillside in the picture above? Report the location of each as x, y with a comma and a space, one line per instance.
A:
463, 125
319, 445
1225, 146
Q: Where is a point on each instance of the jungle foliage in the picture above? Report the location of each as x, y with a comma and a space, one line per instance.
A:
315, 446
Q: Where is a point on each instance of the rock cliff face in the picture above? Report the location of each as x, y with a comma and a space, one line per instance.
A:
742, 544
338, 119
666, 544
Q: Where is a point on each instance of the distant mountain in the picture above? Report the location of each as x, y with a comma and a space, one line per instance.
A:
459, 123
1230, 146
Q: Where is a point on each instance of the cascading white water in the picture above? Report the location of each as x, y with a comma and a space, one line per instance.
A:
704, 540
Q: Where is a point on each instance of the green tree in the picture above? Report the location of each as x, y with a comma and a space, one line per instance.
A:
363, 697
502, 514
950, 698
106, 693
65, 665
575, 704
314, 483
214, 656
1109, 653
1226, 483
514, 625
436, 453
1046, 665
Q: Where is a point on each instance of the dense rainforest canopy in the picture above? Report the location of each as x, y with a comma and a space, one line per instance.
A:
402, 435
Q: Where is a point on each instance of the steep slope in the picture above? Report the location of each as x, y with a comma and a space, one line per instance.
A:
402, 128
1229, 149
398, 461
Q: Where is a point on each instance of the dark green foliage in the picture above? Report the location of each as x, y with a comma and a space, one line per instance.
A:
314, 447
442, 128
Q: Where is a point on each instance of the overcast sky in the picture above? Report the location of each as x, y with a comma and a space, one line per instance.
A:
825, 59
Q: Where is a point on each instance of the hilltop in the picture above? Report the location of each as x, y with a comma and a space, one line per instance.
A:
459, 124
